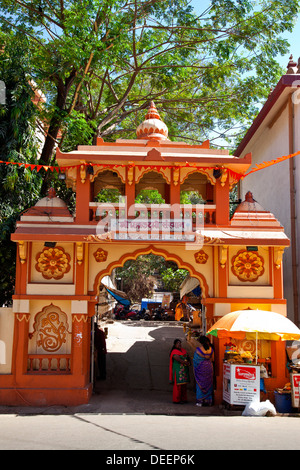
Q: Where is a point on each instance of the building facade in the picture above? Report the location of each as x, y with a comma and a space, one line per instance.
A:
62, 257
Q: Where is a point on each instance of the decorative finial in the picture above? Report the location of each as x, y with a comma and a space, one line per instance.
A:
152, 112
249, 197
152, 128
51, 193
291, 65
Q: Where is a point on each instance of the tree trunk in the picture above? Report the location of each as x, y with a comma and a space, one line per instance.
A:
54, 127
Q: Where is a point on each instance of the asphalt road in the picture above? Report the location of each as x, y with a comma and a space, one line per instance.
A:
136, 432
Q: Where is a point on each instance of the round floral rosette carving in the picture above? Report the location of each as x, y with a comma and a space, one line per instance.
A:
53, 263
100, 255
201, 257
247, 266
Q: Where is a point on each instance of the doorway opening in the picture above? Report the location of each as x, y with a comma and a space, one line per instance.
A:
138, 343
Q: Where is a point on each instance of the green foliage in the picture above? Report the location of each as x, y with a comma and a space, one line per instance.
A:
100, 62
108, 195
140, 276
77, 130
191, 197
19, 186
149, 196
172, 279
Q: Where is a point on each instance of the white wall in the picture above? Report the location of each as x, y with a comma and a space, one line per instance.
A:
6, 339
271, 186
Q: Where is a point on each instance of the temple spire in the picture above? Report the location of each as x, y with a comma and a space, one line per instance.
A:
152, 128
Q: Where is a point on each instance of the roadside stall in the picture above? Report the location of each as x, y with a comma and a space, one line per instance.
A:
293, 353
295, 389
241, 383
243, 371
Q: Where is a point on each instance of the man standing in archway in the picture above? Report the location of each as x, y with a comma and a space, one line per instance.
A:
100, 347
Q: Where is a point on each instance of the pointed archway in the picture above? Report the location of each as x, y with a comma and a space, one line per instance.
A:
170, 256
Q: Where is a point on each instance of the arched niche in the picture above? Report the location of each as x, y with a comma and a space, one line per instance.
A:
153, 180
197, 182
156, 251
108, 180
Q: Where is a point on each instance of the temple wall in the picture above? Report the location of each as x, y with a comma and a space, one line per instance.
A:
6, 339
270, 186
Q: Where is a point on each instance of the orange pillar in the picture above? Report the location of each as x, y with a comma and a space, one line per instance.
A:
21, 268
130, 191
219, 346
277, 275
80, 340
278, 364
80, 268
83, 196
175, 194
223, 271
20, 346
222, 202
175, 188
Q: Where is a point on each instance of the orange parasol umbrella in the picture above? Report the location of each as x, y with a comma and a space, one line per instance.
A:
255, 324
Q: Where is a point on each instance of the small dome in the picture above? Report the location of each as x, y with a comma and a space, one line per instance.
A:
51, 200
48, 209
250, 204
153, 128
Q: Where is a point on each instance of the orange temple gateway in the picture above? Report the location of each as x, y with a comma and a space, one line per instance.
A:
62, 257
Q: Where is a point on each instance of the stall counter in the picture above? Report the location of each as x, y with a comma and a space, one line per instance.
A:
295, 388
241, 383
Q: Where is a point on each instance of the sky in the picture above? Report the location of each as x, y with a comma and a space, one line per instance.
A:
293, 38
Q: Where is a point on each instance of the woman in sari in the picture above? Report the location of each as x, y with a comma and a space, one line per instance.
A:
203, 372
179, 372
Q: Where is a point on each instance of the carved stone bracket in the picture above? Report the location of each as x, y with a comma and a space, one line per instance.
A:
223, 177
79, 252
176, 176
130, 174
223, 255
82, 173
278, 254
22, 251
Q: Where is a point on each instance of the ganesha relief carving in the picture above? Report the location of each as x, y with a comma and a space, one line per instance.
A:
53, 263
51, 326
247, 266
